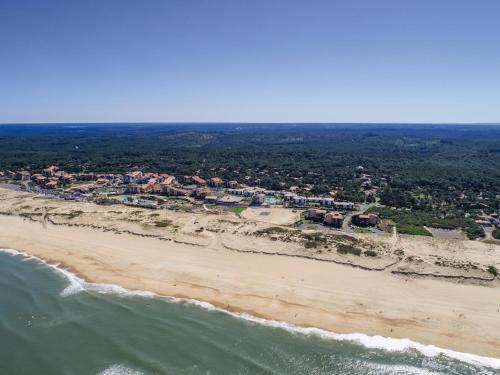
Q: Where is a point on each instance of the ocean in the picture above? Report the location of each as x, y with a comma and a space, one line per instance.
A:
51, 322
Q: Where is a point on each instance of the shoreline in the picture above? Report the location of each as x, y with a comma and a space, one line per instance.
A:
303, 292
77, 285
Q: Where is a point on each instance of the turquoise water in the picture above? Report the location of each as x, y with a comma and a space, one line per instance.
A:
51, 325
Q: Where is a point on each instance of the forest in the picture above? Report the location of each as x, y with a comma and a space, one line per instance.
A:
441, 172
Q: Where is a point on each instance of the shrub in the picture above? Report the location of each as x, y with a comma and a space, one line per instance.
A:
311, 244
412, 229
371, 253
163, 223
474, 231
496, 233
493, 270
348, 249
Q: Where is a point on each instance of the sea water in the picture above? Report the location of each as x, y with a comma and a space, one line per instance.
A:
51, 322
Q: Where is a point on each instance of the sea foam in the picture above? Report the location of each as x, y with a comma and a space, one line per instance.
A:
77, 284
120, 370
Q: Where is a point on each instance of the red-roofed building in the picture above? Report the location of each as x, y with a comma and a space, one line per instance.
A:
198, 180
334, 219
215, 182
364, 220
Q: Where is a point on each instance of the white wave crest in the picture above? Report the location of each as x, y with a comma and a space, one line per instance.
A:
120, 370
372, 342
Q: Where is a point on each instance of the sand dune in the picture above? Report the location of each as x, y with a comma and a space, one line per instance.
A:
192, 255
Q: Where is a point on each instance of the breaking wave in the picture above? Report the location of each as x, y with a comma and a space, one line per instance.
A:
77, 285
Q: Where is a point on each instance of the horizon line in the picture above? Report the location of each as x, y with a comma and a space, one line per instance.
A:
242, 123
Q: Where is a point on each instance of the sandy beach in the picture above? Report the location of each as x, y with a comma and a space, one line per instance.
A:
178, 259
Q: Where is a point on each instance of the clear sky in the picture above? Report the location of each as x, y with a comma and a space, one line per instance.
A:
250, 60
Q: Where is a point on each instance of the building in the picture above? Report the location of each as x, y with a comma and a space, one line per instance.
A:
52, 184
22, 176
200, 193
197, 180
173, 191
66, 178
39, 179
315, 214
320, 201
364, 220
50, 171
343, 205
334, 219
156, 188
258, 199
248, 192
228, 200
216, 182
233, 184
167, 179
132, 177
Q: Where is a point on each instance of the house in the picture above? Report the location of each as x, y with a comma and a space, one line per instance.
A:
315, 214
321, 201
343, 205
173, 191
50, 171
139, 188
166, 179
156, 188
258, 199
334, 219
66, 178
102, 181
215, 182
85, 189
132, 177
364, 220
229, 200
233, 184
39, 179
198, 180
211, 198
22, 176
52, 184
200, 193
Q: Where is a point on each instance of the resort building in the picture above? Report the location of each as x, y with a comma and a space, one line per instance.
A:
173, 191
334, 219
216, 182
50, 171
228, 200
258, 199
364, 220
197, 180
321, 201
132, 177
22, 176
316, 214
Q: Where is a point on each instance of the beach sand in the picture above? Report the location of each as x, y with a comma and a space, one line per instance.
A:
305, 292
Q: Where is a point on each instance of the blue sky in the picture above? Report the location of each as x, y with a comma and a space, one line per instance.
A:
259, 60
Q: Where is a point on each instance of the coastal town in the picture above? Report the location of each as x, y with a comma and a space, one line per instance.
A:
213, 195
162, 190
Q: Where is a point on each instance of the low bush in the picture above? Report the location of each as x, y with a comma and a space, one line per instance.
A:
371, 253
493, 270
348, 249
